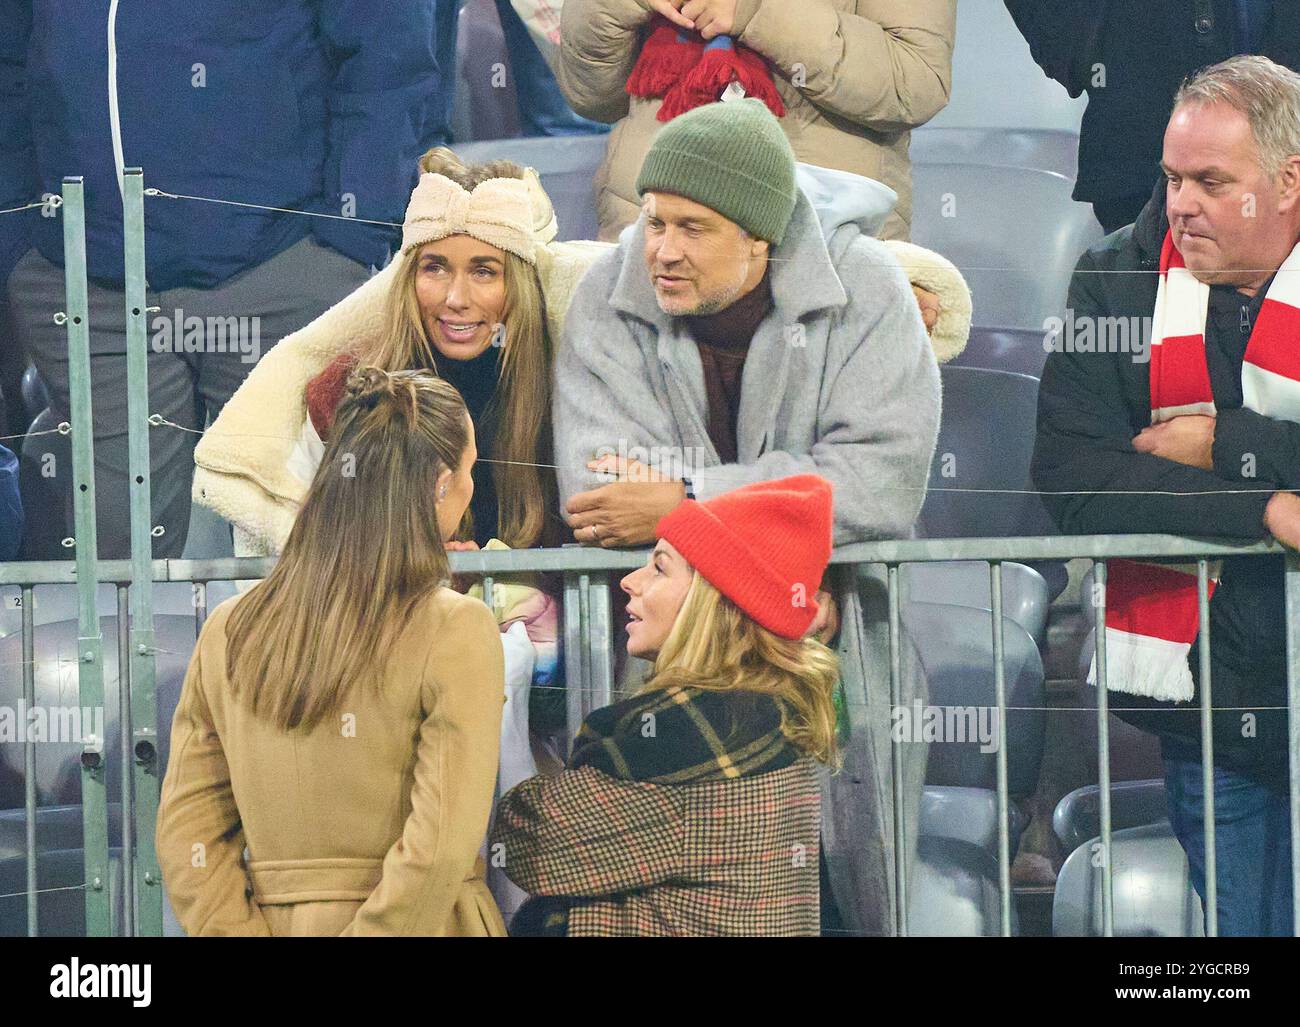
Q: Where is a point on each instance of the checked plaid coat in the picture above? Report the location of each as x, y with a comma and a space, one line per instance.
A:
682, 812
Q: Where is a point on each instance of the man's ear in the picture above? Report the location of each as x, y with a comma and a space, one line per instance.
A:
759, 247
1289, 185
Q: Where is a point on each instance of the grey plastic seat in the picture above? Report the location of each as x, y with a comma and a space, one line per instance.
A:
566, 166
35, 395
953, 891
1015, 233
61, 907
1036, 149
57, 828
1077, 816
956, 649
60, 858
1025, 596
968, 815
58, 769
56, 603
1019, 350
1151, 885
986, 441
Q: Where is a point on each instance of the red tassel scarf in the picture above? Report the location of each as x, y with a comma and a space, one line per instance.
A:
687, 72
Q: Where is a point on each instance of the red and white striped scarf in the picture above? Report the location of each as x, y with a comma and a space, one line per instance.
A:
1151, 612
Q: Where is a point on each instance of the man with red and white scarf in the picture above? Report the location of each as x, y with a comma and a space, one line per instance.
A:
1196, 431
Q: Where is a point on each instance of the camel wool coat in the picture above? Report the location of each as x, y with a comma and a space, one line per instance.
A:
371, 822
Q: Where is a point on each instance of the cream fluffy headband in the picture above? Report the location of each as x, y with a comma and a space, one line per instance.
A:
512, 214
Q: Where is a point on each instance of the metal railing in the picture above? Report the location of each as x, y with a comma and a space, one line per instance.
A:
588, 643
589, 668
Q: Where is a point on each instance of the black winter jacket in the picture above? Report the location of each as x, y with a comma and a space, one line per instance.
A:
1131, 56
1090, 406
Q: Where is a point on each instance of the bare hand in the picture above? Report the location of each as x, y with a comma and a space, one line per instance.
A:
929, 304
622, 514
827, 620
711, 17
462, 583
670, 9
1188, 439
1282, 518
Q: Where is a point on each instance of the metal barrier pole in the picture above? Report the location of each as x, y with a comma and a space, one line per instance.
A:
575, 681
200, 598
1103, 755
90, 666
145, 885
1293, 724
1207, 750
584, 629
600, 638
896, 749
1004, 797
124, 737
29, 761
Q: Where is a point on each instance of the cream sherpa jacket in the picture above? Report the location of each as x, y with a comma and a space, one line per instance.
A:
254, 463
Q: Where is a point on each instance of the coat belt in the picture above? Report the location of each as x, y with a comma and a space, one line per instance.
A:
283, 881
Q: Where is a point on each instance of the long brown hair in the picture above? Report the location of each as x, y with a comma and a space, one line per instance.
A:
714, 645
522, 401
363, 551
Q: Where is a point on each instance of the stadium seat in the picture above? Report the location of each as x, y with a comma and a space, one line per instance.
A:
1014, 233
986, 441
1035, 149
966, 583
956, 649
59, 820
1132, 804
1019, 350
58, 770
968, 815
34, 393
57, 828
61, 906
566, 166
1151, 886
954, 891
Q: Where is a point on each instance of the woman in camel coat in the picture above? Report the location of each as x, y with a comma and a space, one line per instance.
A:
334, 752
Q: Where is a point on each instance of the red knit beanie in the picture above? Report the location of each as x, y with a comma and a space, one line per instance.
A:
764, 546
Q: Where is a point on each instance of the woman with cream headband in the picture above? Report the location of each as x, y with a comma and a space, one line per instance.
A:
463, 298
466, 302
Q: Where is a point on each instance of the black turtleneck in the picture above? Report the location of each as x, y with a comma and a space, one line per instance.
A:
476, 380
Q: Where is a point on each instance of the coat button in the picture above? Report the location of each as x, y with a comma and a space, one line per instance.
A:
1204, 24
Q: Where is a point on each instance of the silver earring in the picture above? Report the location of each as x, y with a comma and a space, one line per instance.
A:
442, 492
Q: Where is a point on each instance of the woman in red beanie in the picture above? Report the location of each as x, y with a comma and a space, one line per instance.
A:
693, 807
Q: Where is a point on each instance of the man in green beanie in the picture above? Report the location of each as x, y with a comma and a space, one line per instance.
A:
732, 337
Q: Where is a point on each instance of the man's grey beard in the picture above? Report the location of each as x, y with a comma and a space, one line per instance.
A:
716, 304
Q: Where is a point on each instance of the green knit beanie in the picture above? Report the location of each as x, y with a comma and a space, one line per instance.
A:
732, 157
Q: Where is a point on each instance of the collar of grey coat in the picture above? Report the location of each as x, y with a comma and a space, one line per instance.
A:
803, 279
803, 274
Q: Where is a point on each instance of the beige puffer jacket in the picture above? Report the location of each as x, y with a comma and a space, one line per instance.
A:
871, 71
